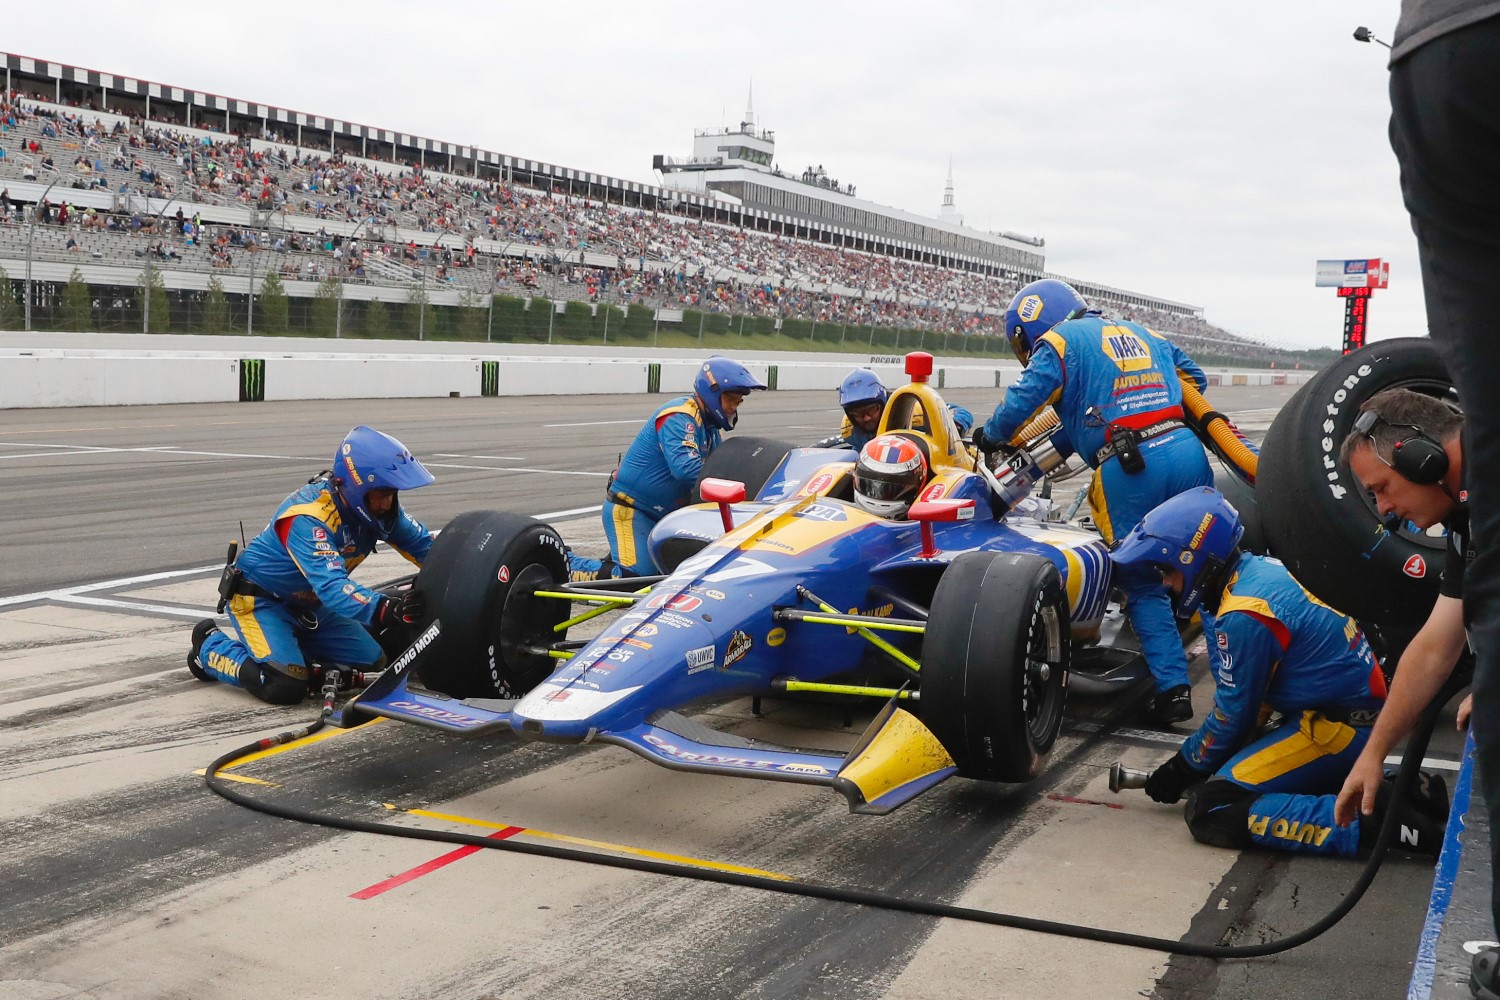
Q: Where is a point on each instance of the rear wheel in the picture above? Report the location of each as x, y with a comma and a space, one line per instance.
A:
995, 664
480, 580
748, 460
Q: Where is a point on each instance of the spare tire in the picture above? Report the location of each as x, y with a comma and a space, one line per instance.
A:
1316, 516
748, 460
1241, 496
480, 581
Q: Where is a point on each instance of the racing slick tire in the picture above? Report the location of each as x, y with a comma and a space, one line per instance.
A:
995, 661
480, 581
1318, 519
748, 460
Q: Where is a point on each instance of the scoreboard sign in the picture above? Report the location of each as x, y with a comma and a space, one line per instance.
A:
1356, 281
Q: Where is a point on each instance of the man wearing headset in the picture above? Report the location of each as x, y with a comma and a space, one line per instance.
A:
1406, 449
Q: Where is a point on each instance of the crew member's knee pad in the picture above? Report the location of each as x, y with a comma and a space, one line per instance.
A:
1218, 813
271, 685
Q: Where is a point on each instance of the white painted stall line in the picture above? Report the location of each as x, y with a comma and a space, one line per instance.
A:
174, 450
61, 592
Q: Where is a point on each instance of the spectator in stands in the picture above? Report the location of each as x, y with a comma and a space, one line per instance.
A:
293, 601
1116, 388
657, 473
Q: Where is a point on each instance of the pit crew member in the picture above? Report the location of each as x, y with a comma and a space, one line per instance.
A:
657, 473
862, 396
1407, 450
290, 597
1116, 388
1283, 651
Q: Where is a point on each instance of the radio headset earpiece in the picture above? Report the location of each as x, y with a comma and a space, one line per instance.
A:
1418, 457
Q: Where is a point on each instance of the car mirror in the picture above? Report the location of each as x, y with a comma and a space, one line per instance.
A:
722, 492
929, 511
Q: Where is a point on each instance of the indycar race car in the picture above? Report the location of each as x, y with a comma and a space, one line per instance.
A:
966, 619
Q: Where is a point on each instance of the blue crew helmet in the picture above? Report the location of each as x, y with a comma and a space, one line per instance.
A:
859, 387
718, 376
1036, 309
1194, 533
369, 460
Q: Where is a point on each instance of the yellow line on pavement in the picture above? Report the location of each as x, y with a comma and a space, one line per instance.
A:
327, 734
239, 777
602, 845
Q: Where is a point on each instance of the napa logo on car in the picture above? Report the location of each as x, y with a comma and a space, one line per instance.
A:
822, 512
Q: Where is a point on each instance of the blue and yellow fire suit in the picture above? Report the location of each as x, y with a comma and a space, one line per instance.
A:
1283, 651
297, 602
655, 477
1103, 374
857, 439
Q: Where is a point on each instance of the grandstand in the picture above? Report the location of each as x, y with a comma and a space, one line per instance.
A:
123, 183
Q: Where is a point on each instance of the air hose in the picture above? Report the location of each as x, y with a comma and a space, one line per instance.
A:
1405, 778
1219, 434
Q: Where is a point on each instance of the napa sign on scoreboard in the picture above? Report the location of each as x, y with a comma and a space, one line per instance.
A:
1356, 281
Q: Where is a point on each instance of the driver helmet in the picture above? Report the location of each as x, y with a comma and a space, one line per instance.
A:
1037, 308
1195, 532
889, 473
718, 376
369, 460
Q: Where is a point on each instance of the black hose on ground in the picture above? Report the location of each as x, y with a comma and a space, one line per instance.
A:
1405, 778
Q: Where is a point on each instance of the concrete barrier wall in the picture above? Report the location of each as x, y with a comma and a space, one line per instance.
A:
80, 376
117, 380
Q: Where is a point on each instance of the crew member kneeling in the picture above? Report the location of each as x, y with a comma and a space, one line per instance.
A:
294, 601
1283, 651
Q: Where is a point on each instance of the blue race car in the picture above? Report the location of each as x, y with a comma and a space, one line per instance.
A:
965, 619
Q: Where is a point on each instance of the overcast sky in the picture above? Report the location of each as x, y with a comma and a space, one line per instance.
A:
1173, 147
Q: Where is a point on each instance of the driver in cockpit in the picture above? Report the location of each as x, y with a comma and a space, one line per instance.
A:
889, 474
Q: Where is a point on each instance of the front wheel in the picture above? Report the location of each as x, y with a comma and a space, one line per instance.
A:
480, 580
995, 664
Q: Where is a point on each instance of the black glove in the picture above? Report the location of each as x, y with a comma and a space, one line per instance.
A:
408, 608
1168, 782
982, 443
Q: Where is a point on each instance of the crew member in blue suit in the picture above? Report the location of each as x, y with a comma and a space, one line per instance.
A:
1116, 389
862, 396
657, 474
293, 600
1283, 651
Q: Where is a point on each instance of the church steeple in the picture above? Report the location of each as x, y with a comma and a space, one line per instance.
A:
949, 211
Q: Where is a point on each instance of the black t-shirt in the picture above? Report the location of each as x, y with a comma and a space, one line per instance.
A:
1459, 551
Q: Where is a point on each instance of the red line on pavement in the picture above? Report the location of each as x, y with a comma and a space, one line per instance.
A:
1084, 802
431, 866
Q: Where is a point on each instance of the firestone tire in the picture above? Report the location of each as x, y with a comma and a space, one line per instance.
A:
1316, 516
1241, 496
995, 661
748, 460
479, 580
